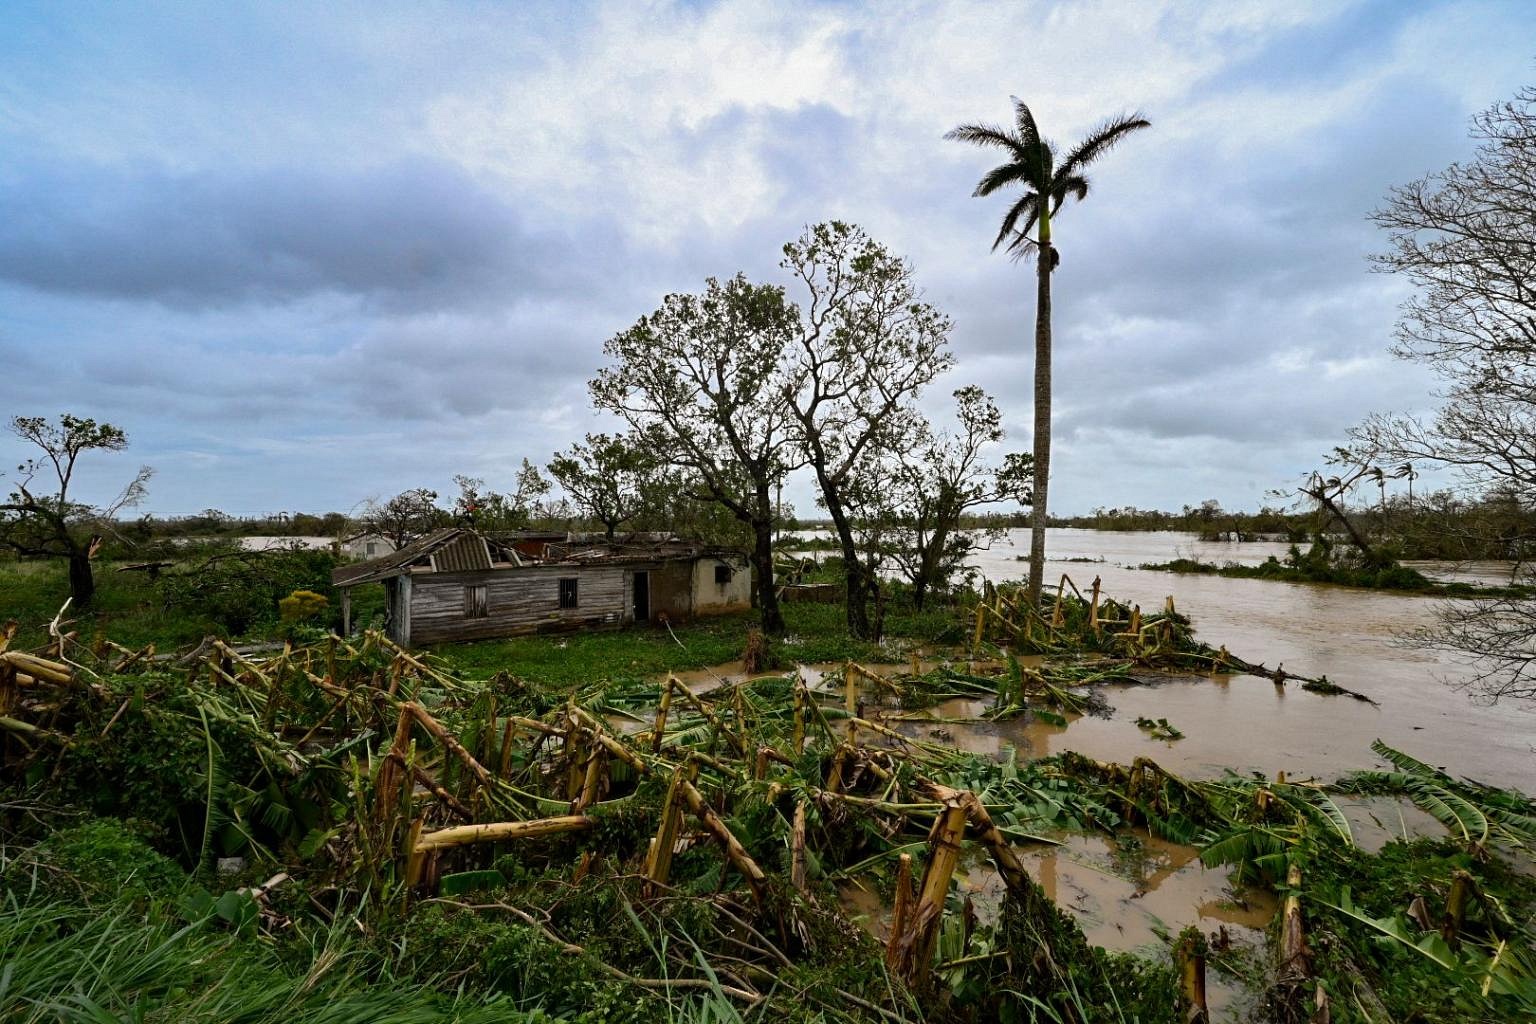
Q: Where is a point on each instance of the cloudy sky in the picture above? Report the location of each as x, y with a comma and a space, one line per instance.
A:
308, 254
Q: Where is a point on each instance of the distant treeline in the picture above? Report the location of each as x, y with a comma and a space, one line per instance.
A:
1207, 519
1435, 525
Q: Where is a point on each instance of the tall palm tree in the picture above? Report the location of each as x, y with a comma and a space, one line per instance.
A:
1032, 165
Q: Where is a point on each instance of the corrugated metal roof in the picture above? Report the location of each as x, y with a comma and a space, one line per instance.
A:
396, 563
465, 553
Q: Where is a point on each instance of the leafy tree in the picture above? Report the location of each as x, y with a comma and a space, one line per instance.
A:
916, 500
705, 380
406, 516
1033, 166
610, 479
1465, 237
239, 589
867, 347
55, 525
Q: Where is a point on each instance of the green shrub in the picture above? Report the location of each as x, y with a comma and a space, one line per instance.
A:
302, 605
98, 861
240, 590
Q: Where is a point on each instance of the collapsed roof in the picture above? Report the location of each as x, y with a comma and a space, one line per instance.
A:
461, 549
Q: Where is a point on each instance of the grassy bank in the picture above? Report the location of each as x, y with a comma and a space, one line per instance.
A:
1324, 563
215, 592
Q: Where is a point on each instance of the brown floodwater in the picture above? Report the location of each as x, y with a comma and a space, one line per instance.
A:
1125, 893
1245, 722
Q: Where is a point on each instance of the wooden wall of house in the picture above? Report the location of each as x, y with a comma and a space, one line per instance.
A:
518, 601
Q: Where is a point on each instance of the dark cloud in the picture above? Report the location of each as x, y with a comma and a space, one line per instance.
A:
413, 234
252, 265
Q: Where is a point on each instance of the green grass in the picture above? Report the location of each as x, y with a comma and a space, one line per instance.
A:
817, 632
131, 609
127, 608
60, 962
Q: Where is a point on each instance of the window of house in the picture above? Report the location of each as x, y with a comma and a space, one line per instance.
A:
477, 602
373, 549
723, 574
568, 593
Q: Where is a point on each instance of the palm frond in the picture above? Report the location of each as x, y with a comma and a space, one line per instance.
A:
1045, 160
1028, 207
1101, 141
1074, 185
1029, 131
986, 135
1003, 174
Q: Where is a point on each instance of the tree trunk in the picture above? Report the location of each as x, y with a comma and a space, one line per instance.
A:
1349, 528
931, 560
1046, 256
857, 583
82, 584
762, 568
858, 598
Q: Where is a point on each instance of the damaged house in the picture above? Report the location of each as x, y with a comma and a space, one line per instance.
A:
458, 584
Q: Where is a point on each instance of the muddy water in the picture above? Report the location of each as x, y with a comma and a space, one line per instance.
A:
1247, 723
1121, 891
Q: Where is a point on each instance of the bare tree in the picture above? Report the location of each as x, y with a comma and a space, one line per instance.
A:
406, 516
1466, 238
55, 525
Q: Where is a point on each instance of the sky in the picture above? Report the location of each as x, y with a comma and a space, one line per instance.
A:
306, 255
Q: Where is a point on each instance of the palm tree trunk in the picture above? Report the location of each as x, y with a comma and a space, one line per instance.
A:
1042, 468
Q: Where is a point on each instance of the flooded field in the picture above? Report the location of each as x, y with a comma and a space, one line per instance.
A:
1125, 892
1247, 723
1133, 889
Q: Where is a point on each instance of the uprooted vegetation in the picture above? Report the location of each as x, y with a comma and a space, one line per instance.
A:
415, 846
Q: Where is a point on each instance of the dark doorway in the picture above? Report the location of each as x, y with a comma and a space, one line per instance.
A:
642, 597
